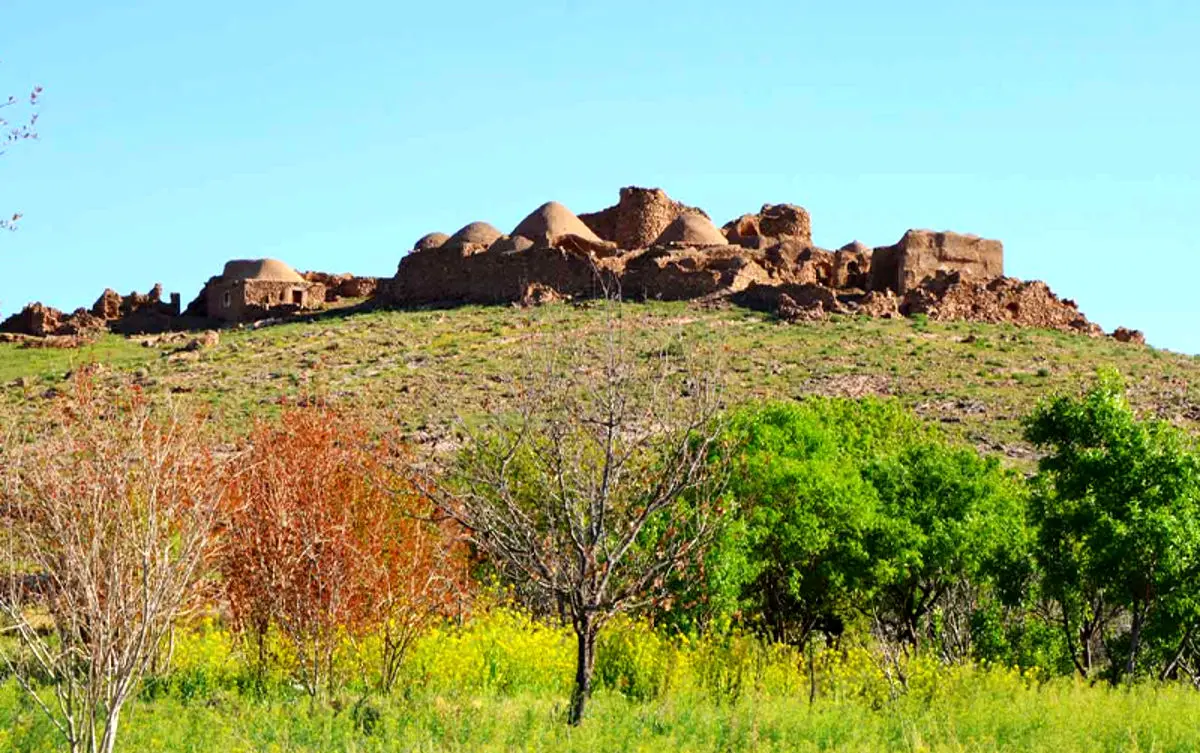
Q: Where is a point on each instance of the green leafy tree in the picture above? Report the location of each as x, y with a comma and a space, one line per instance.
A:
1117, 507
807, 512
945, 522
855, 509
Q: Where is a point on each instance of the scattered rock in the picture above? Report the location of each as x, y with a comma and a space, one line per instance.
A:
878, 305
537, 294
953, 297
1125, 335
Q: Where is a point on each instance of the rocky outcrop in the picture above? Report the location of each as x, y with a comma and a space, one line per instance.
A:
924, 253
638, 218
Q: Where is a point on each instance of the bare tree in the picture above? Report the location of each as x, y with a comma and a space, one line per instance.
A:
108, 516
600, 485
20, 130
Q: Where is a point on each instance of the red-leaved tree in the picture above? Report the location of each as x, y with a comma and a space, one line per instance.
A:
320, 547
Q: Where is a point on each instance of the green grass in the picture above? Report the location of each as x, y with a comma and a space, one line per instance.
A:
49, 364
983, 713
431, 366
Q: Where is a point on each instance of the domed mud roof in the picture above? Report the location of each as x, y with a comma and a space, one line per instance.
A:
477, 232
430, 240
551, 221
692, 230
270, 270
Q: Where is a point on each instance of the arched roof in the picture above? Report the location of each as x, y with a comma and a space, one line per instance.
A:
271, 270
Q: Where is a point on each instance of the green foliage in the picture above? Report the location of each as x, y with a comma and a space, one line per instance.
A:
1117, 508
1007, 637
945, 516
730, 694
855, 509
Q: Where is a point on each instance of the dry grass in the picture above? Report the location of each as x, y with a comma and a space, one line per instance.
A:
430, 366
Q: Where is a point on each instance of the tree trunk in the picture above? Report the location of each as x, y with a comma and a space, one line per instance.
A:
109, 740
1135, 638
1171, 670
585, 664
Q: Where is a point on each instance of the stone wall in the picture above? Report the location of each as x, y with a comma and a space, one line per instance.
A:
446, 275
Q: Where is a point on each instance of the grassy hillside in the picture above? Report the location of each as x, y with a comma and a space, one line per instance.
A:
433, 365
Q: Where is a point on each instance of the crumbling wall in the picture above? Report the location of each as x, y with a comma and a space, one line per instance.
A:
924, 253
136, 312
679, 274
638, 218
342, 286
772, 224
445, 275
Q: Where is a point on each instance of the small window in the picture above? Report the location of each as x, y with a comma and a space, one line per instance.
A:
227, 300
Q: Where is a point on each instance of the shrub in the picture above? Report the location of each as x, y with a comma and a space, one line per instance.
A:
327, 547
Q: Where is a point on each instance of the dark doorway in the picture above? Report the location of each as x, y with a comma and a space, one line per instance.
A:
298, 297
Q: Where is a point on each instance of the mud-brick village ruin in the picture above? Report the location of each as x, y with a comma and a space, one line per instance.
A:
646, 246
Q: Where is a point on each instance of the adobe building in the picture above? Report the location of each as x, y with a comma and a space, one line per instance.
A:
921, 254
250, 289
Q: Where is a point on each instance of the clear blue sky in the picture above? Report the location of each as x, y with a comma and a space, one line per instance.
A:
332, 134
